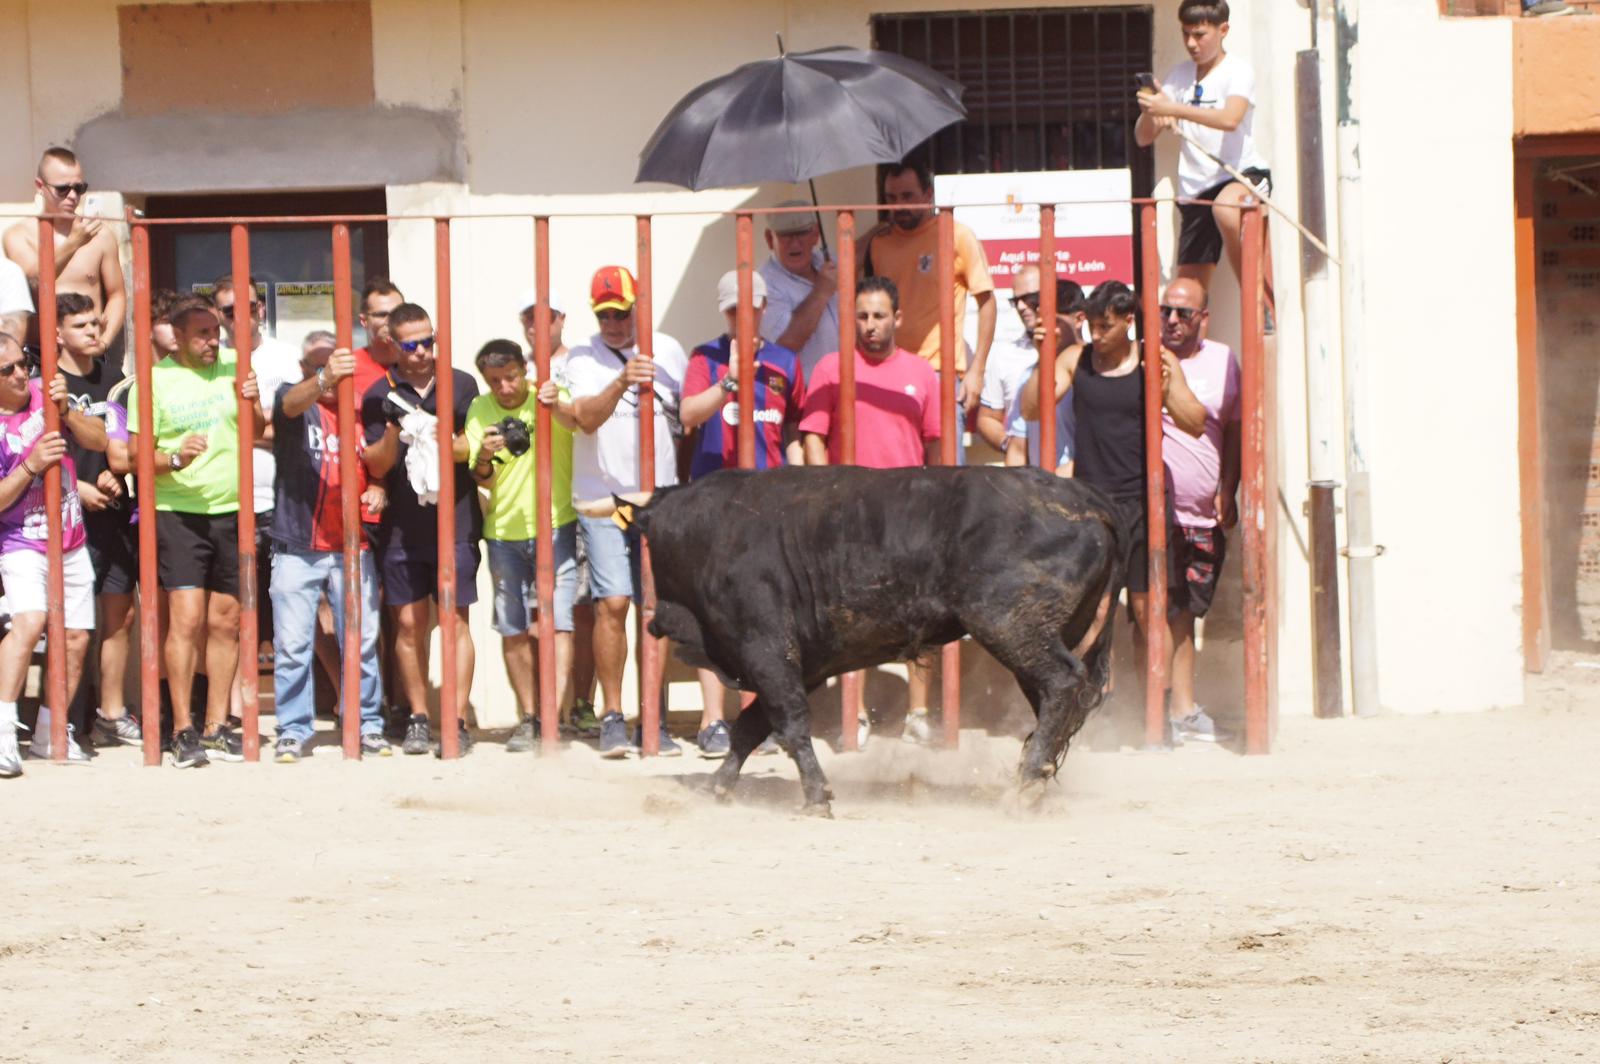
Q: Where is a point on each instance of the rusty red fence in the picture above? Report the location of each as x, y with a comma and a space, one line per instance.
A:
1254, 510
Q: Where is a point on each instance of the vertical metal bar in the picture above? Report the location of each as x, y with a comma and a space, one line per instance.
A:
949, 426
1155, 691
445, 393
1253, 468
988, 127
55, 646
1530, 431
349, 505
845, 415
1044, 136
1049, 446
544, 544
649, 649
145, 459
244, 293
745, 348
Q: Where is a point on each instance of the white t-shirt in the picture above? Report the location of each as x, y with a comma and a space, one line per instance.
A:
606, 461
1231, 76
785, 292
275, 364
15, 298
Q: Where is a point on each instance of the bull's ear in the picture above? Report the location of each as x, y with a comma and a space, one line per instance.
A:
623, 514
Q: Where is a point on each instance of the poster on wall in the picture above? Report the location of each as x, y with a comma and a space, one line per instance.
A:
302, 307
1094, 228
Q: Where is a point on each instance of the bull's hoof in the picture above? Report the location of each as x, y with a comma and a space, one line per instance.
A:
1026, 797
722, 793
821, 809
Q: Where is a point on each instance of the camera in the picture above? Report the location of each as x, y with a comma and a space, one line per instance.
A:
515, 432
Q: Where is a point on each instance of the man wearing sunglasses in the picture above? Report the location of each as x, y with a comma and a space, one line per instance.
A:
1000, 419
26, 451
408, 565
1204, 473
86, 250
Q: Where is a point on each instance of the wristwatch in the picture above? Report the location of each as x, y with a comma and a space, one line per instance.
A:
729, 385
175, 461
322, 379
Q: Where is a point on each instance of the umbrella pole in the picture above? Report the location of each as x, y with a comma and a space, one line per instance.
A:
821, 232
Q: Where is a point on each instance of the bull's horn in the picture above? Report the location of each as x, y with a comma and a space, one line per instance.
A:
623, 515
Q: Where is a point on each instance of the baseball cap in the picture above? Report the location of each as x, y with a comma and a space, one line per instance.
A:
530, 299
728, 290
794, 221
612, 289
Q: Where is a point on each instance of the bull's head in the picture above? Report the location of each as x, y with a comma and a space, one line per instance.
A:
633, 516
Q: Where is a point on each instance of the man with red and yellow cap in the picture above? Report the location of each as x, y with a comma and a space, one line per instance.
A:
605, 377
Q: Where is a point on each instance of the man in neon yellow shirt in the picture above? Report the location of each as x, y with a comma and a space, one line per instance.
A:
194, 405
511, 524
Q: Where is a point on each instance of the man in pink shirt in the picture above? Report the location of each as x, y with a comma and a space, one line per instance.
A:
897, 424
1204, 475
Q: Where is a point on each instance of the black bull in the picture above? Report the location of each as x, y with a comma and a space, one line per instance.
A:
782, 579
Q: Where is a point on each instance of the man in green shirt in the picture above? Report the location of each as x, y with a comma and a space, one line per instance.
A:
511, 523
195, 409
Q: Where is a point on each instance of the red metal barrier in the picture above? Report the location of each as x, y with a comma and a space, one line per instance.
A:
544, 543
145, 465
745, 348
55, 576
1155, 643
349, 503
949, 428
649, 646
1253, 469
444, 391
849, 683
1049, 446
244, 339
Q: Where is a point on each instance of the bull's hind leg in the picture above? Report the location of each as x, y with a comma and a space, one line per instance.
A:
1051, 677
749, 731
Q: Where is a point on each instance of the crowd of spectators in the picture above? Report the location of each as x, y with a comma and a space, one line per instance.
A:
593, 396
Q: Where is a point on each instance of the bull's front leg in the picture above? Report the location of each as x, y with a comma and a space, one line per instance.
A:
781, 698
749, 731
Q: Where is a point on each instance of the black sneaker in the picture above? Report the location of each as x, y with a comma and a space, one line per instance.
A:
419, 737
375, 745
465, 743
223, 745
667, 747
124, 730
522, 737
713, 740
396, 720
187, 751
614, 737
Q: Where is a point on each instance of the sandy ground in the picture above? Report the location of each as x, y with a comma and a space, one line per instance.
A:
1399, 889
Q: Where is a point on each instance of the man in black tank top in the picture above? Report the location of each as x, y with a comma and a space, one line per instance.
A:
1106, 378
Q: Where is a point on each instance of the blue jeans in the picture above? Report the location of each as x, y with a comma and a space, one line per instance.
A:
299, 579
516, 591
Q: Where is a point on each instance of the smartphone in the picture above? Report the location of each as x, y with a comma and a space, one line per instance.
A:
1145, 82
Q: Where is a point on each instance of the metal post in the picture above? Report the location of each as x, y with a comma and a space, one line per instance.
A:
649, 649
55, 646
1357, 434
850, 683
745, 349
1253, 463
1155, 643
243, 340
1049, 446
544, 543
1327, 674
444, 392
145, 459
949, 426
349, 505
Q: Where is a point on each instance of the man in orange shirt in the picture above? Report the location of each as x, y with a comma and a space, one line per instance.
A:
905, 250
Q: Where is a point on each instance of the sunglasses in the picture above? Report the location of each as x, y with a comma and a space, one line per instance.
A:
1183, 313
77, 187
10, 368
227, 308
410, 346
1031, 301
613, 315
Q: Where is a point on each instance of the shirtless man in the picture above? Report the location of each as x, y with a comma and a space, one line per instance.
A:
86, 250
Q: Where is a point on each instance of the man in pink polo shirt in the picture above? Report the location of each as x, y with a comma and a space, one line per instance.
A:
1204, 474
897, 424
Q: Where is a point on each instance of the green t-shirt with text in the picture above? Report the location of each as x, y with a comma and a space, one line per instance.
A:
186, 401
509, 517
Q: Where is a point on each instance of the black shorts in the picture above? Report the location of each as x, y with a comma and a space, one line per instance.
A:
1199, 240
198, 551
1197, 557
408, 578
1136, 543
114, 553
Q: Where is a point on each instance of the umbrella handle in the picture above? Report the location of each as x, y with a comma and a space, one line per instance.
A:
821, 232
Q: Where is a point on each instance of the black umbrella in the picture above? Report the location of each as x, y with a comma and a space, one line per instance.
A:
796, 116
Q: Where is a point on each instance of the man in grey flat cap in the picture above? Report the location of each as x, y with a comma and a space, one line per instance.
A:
802, 287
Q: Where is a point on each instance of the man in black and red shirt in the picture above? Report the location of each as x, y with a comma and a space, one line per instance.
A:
308, 540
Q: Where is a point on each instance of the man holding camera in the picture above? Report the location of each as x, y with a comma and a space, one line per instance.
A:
499, 430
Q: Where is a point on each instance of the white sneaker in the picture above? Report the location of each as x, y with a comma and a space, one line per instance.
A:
10, 755
39, 748
917, 729
863, 729
1198, 727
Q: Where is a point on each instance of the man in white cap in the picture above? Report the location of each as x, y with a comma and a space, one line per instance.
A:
802, 287
530, 325
711, 405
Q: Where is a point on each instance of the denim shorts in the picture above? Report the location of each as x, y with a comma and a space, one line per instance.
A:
516, 590
613, 558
